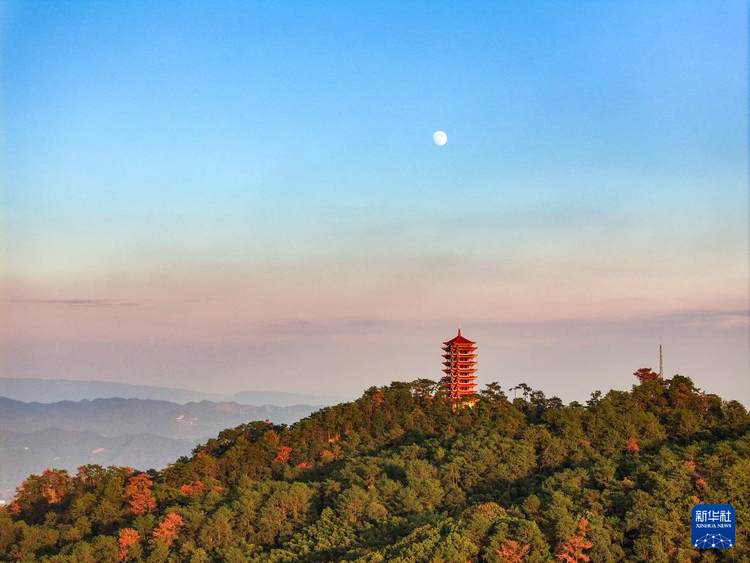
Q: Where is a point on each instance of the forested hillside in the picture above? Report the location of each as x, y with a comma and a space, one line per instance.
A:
400, 476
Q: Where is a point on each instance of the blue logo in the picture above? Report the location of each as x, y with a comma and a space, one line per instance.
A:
713, 526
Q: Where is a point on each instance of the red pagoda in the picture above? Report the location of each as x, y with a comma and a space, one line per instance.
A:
460, 369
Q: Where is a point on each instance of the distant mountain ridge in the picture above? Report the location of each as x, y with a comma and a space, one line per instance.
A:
55, 390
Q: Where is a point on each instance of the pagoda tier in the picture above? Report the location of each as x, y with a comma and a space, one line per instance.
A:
460, 369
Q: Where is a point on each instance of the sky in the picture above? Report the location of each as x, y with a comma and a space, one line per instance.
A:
245, 195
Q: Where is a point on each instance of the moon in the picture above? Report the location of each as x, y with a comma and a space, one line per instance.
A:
440, 138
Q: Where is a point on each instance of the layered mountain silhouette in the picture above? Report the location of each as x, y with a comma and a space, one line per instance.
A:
54, 390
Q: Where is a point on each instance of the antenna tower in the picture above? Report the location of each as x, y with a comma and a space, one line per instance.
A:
661, 363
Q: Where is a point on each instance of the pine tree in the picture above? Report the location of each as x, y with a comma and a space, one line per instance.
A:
139, 496
512, 552
128, 537
571, 550
169, 528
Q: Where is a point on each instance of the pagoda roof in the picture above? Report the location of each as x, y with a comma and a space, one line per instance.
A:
460, 339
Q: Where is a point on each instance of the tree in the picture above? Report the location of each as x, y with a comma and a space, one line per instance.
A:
128, 538
512, 552
36, 493
105, 549
217, 531
424, 388
57, 485
168, 529
571, 549
524, 388
646, 374
493, 392
91, 475
595, 399
282, 454
192, 488
632, 446
138, 494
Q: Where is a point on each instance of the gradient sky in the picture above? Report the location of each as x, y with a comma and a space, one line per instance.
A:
245, 195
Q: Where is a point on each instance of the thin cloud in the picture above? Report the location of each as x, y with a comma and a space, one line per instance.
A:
729, 318
333, 326
79, 302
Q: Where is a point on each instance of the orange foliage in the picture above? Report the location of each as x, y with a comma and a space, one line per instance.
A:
326, 454
571, 550
646, 374
303, 465
82, 474
192, 488
56, 487
138, 494
15, 509
690, 464
128, 537
169, 528
700, 483
282, 455
632, 446
512, 551
377, 398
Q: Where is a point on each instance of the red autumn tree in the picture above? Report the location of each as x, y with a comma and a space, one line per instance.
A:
169, 528
646, 374
139, 496
192, 488
512, 552
128, 538
56, 485
51, 487
632, 446
571, 550
282, 455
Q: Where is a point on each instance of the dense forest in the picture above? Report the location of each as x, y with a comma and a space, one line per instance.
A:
400, 476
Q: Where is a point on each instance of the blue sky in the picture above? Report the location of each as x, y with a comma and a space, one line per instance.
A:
261, 176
